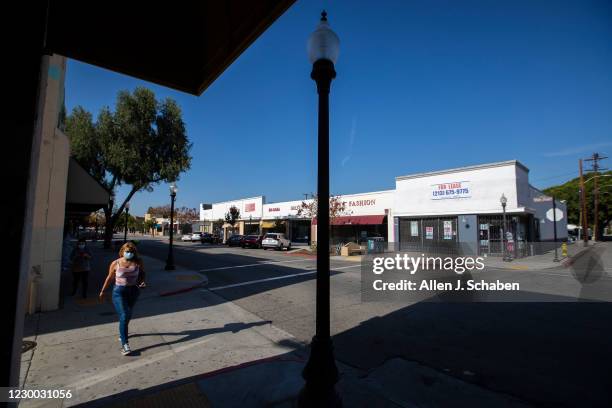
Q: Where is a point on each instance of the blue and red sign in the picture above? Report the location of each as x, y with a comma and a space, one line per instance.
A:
455, 189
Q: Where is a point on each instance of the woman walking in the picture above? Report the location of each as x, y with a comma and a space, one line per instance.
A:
80, 260
128, 275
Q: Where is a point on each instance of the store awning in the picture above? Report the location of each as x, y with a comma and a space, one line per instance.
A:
271, 224
84, 194
182, 45
357, 220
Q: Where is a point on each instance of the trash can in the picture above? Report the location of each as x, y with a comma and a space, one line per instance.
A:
376, 245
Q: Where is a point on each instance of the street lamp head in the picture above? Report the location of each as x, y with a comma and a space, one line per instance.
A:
503, 200
173, 189
323, 43
127, 205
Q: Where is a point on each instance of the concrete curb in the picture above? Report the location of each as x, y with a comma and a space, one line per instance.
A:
183, 290
265, 360
198, 285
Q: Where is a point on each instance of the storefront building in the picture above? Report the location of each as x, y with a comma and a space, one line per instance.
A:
461, 208
444, 209
283, 217
365, 216
213, 217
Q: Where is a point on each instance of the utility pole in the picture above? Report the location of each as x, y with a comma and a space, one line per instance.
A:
595, 159
583, 213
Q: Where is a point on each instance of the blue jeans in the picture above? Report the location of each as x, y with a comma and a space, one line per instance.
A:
124, 298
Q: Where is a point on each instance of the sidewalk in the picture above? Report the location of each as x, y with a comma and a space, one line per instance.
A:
175, 333
195, 349
541, 261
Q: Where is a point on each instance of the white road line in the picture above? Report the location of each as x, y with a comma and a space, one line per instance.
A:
274, 278
250, 265
346, 267
262, 280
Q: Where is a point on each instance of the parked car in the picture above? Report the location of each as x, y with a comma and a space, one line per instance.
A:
206, 238
276, 240
196, 236
186, 237
251, 241
234, 240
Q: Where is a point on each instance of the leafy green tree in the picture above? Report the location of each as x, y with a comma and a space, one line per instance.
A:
162, 211
141, 143
232, 216
148, 225
186, 215
132, 223
570, 192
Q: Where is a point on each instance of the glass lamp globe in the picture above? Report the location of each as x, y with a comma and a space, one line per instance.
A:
173, 188
323, 43
503, 200
127, 205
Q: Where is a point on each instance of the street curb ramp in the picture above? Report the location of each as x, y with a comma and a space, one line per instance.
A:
570, 260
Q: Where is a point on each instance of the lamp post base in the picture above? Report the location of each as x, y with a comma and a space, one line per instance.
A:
321, 375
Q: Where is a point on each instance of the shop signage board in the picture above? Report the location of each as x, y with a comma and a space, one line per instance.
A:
451, 190
448, 230
550, 215
428, 232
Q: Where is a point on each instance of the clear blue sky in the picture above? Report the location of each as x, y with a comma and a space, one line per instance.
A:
421, 85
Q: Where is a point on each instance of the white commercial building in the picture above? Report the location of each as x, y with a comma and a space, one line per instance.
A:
439, 208
463, 206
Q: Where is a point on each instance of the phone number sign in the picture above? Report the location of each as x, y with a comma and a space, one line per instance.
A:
455, 189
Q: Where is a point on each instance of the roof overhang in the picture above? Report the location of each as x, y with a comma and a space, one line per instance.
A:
181, 45
84, 194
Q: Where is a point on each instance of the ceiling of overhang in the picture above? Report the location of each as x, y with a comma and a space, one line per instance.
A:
181, 45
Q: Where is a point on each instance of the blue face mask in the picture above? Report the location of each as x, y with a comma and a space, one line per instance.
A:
128, 255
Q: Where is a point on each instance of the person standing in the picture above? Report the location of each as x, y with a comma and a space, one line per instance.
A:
80, 265
128, 275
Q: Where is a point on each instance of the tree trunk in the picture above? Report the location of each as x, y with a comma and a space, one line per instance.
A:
108, 228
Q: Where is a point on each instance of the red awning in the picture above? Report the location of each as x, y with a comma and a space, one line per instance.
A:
357, 220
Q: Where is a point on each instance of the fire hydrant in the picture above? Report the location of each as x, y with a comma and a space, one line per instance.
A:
564, 250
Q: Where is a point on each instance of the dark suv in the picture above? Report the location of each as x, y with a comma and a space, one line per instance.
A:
208, 238
234, 240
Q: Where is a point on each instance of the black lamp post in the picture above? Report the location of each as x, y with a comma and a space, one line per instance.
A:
127, 217
321, 373
503, 200
554, 214
170, 260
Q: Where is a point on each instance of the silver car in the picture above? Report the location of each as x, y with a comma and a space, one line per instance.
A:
276, 240
196, 236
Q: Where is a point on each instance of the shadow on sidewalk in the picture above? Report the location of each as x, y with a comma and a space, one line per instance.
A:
194, 334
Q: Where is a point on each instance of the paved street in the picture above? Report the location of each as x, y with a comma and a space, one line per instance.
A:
260, 305
533, 351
